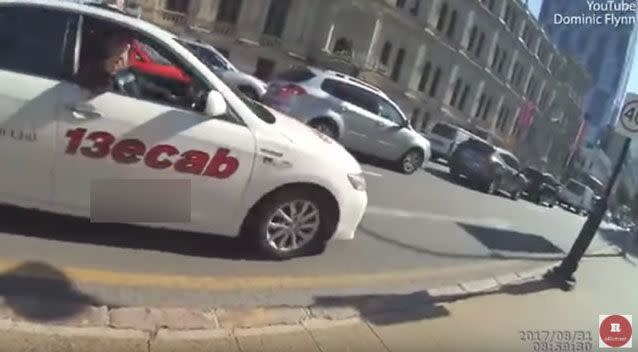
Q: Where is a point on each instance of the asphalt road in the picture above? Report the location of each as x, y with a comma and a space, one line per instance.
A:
418, 230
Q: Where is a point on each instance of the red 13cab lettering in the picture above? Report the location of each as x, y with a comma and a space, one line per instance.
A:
159, 157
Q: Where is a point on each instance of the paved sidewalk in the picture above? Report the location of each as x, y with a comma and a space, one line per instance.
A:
489, 320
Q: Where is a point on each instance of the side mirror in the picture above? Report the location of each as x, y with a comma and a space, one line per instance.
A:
215, 104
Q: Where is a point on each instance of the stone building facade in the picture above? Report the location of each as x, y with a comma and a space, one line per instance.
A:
475, 63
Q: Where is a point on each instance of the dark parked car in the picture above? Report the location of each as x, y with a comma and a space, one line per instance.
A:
487, 167
542, 188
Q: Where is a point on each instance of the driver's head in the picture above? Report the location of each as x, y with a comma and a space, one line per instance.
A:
116, 48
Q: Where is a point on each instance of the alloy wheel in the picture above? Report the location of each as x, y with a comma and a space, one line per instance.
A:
411, 161
293, 225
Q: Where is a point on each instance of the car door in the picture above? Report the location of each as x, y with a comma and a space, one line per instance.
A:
34, 64
390, 131
358, 111
148, 150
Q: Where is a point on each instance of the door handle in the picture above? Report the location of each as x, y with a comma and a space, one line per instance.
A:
84, 113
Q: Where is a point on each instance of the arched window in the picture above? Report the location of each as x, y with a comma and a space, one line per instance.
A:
398, 64
385, 53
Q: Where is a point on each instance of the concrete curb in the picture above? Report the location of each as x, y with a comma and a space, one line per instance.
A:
156, 329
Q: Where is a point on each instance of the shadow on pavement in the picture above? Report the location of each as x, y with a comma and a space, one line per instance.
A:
511, 241
31, 223
443, 175
537, 247
40, 292
400, 308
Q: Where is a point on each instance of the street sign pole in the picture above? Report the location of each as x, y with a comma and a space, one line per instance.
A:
564, 272
628, 127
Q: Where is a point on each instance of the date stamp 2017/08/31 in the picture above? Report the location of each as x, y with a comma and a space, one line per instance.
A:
557, 340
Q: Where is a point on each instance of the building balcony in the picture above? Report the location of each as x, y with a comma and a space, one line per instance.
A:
225, 29
169, 19
270, 41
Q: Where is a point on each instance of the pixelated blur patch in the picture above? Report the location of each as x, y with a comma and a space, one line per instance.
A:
140, 201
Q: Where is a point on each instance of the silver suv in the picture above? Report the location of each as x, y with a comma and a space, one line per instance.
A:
249, 85
358, 115
445, 138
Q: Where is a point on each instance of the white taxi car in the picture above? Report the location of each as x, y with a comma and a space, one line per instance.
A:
248, 171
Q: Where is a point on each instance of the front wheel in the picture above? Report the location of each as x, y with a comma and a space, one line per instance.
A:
293, 222
411, 161
515, 195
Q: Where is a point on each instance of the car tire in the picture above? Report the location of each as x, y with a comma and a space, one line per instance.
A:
515, 195
326, 127
411, 161
491, 187
275, 215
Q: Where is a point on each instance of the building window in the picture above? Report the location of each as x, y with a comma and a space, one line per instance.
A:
398, 64
503, 118
455, 92
530, 87
414, 10
385, 53
496, 56
435, 82
276, 18
451, 28
400, 3
501, 62
486, 109
472, 41
177, 5
264, 69
228, 11
479, 45
442, 17
466, 91
425, 76
481, 104
506, 15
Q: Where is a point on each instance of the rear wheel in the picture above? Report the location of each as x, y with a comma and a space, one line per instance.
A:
292, 222
326, 127
515, 195
411, 161
491, 187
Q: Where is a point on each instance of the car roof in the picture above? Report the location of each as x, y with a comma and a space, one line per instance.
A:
347, 79
206, 46
90, 8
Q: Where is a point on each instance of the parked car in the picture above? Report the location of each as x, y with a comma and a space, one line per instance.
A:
487, 167
444, 138
542, 188
249, 85
576, 197
358, 115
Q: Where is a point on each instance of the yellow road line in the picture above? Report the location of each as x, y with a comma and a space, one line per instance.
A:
229, 283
